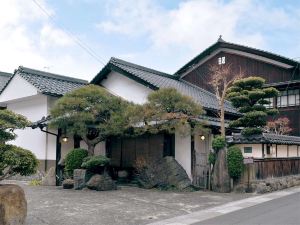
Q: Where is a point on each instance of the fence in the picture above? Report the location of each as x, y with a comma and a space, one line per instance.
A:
276, 167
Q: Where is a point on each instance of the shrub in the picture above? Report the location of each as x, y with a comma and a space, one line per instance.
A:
95, 164
218, 143
212, 157
74, 160
235, 162
15, 160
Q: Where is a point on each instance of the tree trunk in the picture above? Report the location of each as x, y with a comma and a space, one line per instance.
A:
91, 149
222, 119
220, 178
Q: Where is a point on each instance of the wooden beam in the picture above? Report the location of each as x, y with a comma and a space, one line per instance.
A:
297, 150
263, 150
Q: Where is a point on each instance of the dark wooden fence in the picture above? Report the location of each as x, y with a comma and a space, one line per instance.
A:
277, 167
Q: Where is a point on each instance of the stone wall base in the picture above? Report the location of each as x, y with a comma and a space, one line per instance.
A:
269, 185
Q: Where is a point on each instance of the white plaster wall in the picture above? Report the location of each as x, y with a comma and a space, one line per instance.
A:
281, 151
33, 108
17, 88
126, 88
183, 152
256, 150
292, 151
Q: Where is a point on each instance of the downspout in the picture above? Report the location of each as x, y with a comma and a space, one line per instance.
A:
58, 153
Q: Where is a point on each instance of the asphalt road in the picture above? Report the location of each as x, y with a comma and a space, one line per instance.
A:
281, 211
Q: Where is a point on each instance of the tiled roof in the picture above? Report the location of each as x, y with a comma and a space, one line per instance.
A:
156, 80
49, 83
4, 79
224, 44
264, 138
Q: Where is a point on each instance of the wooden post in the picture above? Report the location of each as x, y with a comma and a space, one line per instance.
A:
58, 171
276, 150
297, 150
263, 150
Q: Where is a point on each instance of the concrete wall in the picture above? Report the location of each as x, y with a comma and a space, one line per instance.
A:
183, 151
126, 88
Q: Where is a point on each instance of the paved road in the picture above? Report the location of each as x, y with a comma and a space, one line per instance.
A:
281, 211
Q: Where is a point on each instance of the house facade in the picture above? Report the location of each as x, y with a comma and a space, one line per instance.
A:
278, 71
134, 83
32, 93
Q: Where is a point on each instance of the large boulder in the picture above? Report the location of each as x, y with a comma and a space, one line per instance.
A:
50, 178
163, 173
101, 182
13, 205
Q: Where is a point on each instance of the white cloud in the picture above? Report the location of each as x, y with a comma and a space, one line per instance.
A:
28, 39
51, 36
196, 24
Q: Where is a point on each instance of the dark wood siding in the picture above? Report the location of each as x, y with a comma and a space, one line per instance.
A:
124, 151
251, 67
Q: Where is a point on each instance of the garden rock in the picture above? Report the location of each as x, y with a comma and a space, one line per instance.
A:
50, 178
164, 173
80, 177
101, 183
68, 184
13, 205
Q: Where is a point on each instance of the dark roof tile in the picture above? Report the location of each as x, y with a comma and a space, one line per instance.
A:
49, 83
162, 80
4, 79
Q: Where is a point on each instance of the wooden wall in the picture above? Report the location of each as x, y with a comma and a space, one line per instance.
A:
265, 168
251, 67
124, 151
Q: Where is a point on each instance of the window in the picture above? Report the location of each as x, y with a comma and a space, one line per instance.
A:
247, 149
288, 98
221, 60
271, 104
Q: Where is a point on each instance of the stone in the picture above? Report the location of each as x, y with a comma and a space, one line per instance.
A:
50, 178
240, 188
220, 177
164, 173
80, 178
68, 184
13, 205
101, 183
262, 188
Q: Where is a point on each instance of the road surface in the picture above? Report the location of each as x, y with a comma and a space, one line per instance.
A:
281, 211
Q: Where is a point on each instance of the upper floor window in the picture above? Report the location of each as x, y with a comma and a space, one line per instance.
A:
221, 60
271, 104
288, 98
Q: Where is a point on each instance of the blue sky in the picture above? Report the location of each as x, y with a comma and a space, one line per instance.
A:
162, 34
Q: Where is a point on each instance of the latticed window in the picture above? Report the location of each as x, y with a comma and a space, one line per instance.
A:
288, 98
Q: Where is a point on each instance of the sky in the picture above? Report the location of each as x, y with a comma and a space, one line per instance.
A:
78, 37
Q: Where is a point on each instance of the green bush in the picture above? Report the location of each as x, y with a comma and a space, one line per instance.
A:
17, 160
74, 160
95, 164
218, 143
235, 162
212, 157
